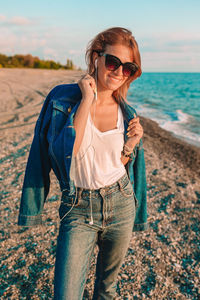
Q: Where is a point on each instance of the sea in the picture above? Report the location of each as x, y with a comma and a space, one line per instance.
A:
170, 99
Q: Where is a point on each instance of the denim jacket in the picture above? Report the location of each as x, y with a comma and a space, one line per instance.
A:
52, 148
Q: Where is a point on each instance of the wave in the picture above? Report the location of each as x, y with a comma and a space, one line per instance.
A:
178, 129
184, 117
179, 123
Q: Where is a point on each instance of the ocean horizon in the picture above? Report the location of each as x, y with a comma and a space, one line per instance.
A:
172, 100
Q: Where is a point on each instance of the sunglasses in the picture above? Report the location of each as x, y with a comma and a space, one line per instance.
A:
112, 63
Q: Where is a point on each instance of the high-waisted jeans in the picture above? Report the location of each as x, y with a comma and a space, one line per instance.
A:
104, 217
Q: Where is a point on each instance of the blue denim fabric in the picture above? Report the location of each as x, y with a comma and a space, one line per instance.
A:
113, 212
52, 148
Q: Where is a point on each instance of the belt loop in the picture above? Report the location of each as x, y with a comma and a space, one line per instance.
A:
80, 192
119, 182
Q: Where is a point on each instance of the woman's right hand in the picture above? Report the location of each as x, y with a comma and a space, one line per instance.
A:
88, 86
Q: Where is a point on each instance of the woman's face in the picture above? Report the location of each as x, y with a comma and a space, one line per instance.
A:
112, 80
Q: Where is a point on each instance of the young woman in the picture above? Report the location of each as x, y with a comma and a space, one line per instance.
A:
91, 137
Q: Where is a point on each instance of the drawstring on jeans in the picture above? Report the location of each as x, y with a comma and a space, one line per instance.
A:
73, 204
91, 217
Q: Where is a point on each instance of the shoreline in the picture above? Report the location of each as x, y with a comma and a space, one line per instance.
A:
170, 146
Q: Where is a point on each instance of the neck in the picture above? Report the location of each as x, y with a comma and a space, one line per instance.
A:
105, 96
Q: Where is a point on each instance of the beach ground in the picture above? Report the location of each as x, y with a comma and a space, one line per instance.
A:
161, 263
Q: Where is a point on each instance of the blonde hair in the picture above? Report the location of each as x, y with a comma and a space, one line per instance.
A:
113, 36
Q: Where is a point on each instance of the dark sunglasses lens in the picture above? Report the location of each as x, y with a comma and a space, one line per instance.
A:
111, 63
129, 69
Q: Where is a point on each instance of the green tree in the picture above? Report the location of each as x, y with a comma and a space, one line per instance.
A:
3, 60
70, 65
29, 61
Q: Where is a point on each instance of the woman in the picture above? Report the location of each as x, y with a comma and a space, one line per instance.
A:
91, 138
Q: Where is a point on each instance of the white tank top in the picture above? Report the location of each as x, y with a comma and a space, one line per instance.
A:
98, 162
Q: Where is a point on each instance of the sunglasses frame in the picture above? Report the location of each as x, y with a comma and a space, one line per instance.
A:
120, 63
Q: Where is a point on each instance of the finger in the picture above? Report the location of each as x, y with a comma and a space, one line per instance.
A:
135, 131
84, 76
133, 125
89, 80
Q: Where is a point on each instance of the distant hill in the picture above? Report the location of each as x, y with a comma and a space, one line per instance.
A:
29, 61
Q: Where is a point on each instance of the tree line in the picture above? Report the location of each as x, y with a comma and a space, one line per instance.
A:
29, 61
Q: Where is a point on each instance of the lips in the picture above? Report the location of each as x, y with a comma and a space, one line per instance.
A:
115, 79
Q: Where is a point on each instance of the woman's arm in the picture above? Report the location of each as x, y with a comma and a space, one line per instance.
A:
80, 121
87, 86
124, 159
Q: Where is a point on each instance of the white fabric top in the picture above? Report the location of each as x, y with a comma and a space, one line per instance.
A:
98, 162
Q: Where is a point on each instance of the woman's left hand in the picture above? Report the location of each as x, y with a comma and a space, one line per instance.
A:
135, 132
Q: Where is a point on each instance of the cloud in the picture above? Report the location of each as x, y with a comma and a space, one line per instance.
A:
14, 43
21, 21
2, 18
50, 53
166, 52
75, 51
175, 42
171, 61
176, 51
17, 21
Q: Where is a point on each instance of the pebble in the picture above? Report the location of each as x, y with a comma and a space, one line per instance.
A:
124, 276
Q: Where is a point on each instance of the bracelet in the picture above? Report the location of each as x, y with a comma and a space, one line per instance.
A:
126, 151
125, 154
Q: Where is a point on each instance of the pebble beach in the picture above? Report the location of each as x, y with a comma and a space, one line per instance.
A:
161, 263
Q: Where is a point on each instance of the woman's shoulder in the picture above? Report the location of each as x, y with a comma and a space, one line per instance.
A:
65, 92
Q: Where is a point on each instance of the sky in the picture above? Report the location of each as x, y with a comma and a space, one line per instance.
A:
167, 32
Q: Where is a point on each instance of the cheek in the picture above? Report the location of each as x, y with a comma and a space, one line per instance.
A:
102, 76
102, 72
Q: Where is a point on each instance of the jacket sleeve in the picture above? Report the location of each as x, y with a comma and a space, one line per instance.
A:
36, 180
140, 188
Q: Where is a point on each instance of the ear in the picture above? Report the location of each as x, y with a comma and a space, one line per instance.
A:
94, 58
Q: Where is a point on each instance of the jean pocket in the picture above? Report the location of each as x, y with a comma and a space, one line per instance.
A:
127, 189
69, 203
74, 201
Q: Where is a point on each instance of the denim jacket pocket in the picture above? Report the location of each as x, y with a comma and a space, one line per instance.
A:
61, 112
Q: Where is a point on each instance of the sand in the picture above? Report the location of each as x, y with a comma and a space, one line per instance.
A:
161, 263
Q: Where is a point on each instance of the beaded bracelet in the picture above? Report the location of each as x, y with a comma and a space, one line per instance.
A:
126, 151
125, 154
127, 148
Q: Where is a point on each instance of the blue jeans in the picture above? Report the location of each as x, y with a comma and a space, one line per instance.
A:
104, 217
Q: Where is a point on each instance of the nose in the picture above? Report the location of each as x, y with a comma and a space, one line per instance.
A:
119, 71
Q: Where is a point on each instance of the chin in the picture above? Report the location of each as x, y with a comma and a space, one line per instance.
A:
113, 85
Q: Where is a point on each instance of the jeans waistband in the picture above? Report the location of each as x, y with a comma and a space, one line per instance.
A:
122, 181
